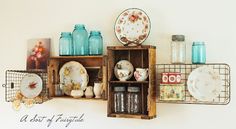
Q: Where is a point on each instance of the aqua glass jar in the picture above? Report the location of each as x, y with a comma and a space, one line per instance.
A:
80, 40
198, 53
95, 43
65, 44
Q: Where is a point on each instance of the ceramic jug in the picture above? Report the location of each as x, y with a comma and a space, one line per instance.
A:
141, 74
89, 92
97, 89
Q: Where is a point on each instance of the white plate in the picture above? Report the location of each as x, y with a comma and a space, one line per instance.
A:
204, 83
73, 76
132, 27
124, 65
31, 85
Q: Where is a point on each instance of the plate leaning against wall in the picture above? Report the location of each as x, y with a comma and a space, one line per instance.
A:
132, 27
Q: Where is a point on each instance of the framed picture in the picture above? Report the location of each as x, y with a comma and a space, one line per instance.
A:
38, 53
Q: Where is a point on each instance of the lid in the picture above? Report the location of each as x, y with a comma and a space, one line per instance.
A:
65, 33
198, 43
119, 89
178, 37
79, 26
95, 33
133, 89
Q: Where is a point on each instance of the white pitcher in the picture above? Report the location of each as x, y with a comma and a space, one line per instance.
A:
97, 89
141, 74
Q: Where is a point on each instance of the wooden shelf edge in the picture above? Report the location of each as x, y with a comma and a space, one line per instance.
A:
68, 97
136, 116
132, 82
74, 57
142, 47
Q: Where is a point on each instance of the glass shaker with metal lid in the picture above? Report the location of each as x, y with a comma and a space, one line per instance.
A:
133, 100
119, 99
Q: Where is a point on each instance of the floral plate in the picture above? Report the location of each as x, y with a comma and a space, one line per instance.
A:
31, 85
73, 76
204, 83
132, 27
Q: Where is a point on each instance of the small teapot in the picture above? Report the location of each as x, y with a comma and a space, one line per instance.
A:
89, 92
141, 74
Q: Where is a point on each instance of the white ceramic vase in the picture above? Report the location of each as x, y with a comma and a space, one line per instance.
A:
97, 89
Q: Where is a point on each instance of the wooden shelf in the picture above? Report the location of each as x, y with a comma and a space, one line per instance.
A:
142, 47
143, 56
83, 98
75, 57
137, 116
130, 82
96, 67
91, 68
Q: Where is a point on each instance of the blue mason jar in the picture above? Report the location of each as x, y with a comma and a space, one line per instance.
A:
198, 53
80, 40
65, 44
95, 43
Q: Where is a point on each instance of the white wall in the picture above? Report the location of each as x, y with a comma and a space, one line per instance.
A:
212, 21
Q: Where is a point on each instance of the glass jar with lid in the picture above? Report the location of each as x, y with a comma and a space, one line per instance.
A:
133, 100
178, 49
198, 53
119, 99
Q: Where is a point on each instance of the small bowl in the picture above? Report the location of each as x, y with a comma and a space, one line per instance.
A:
77, 93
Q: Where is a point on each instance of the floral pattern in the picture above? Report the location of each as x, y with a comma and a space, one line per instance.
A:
172, 92
73, 76
132, 27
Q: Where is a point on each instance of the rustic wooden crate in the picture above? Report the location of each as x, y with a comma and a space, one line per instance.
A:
93, 64
141, 56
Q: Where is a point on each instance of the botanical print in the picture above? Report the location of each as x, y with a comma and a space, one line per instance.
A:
38, 53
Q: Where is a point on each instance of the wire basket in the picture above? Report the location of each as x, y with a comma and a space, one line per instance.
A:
13, 80
185, 69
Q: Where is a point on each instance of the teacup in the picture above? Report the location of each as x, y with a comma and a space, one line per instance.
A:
123, 74
141, 74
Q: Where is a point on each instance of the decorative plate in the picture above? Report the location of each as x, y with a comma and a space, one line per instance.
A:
31, 85
123, 70
204, 83
132, 27
73, 76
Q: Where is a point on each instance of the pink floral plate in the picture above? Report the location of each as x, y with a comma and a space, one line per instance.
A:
132, 27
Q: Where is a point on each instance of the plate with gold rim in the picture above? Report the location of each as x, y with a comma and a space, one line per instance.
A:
132, 27
73, 76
